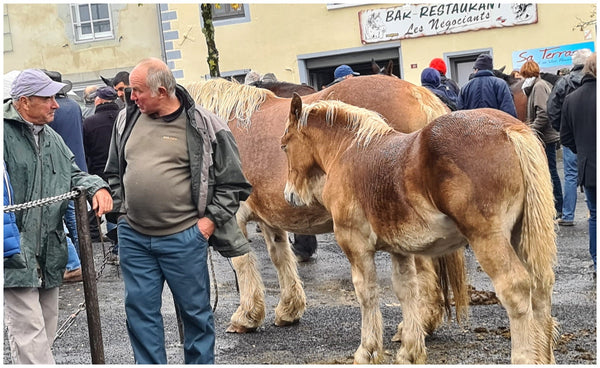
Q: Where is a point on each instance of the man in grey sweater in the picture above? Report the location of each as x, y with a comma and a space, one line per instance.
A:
176, 175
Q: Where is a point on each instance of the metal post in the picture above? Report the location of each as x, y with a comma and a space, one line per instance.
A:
89, 278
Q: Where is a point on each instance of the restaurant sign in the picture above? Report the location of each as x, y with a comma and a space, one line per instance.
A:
412, 21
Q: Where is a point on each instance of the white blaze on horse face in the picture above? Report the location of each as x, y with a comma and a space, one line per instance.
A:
291, 195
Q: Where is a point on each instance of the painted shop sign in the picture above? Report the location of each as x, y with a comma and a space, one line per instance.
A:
549, 58
412, 21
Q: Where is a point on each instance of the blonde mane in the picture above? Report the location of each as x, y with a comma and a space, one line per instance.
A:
431, 105
228, 100
365, 123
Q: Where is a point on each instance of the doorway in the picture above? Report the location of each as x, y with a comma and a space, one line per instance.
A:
317, 69
460, 64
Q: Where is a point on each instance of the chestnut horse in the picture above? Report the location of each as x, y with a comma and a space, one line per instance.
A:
256, 118
303, 246
477, 176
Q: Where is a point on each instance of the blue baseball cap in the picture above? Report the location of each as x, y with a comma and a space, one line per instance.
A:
342, 71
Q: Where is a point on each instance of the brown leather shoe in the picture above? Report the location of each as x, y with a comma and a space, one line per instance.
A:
73, 276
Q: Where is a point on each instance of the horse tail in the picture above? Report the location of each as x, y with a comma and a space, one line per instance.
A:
537, 244
452, 275
537, 247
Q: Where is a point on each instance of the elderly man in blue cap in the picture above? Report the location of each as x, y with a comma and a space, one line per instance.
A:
40, 165
342, 72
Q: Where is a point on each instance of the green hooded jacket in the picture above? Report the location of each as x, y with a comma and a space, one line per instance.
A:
38, 173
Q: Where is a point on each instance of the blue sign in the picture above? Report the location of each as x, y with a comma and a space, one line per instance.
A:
550, 58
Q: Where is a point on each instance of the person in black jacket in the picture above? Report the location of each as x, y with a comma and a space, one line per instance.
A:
578, 132
561, 89
97, 131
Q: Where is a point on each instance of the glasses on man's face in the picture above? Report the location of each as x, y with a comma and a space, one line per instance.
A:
121, 89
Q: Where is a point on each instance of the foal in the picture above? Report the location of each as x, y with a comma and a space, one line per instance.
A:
477, 176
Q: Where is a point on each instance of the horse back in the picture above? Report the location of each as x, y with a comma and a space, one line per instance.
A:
471, 166
415, 188
406, 107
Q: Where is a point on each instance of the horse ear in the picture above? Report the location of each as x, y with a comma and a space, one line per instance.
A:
106, 81
389, 68
296, 107
376, 69
502, 69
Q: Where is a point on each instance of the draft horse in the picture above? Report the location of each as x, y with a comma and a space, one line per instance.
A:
304, 246
477, 176
256, 118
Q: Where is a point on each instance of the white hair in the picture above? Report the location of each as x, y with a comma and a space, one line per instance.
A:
580, 56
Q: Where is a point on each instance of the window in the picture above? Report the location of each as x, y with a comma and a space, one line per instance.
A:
227, 11
226, 14
91, 22
7, 35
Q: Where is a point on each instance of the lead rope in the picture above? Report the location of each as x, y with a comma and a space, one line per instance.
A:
214, 279
100, 234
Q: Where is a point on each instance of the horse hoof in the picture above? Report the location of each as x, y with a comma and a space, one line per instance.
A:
239, 329
282, 323
363, 356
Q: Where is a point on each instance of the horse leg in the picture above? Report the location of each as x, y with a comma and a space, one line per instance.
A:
541, 299
431, 305
250, 314
407, 288
292, 302
542, 304
364, 278
513, 286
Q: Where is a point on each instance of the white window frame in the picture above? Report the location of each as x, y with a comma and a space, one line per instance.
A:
93, 36
8, 46
229, 21
226, 16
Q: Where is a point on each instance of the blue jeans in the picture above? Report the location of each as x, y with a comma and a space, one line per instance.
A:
570, 189
590, 198
73, 261
180, 259
556, 187
71, 223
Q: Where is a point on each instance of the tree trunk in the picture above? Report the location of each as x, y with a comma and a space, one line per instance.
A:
209, 34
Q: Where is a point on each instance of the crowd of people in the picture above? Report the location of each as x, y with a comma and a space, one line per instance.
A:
139, 143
